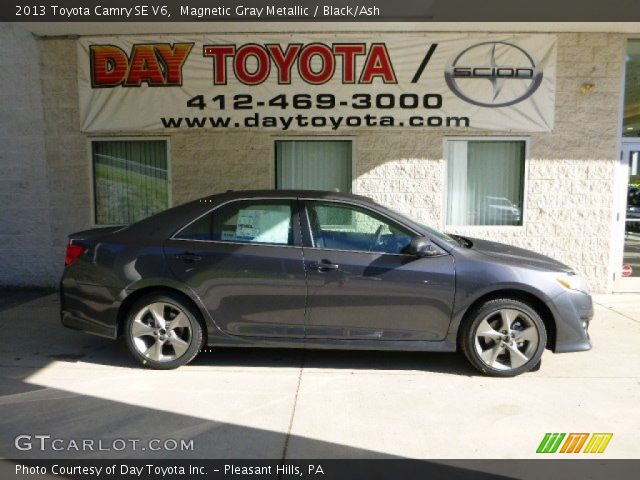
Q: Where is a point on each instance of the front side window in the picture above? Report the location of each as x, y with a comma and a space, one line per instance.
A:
267, 222
130, 180
345, 227
485, 182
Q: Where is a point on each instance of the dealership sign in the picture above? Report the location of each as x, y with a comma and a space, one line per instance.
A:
317, 82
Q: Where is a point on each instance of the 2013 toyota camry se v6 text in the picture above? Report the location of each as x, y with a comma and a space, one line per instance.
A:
317, 270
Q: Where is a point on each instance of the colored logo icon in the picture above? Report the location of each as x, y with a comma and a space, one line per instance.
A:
574, 443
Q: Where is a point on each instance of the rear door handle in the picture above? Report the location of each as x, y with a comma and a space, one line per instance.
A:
324, 266
188, 257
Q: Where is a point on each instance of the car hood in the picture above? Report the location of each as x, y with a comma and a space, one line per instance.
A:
518, 256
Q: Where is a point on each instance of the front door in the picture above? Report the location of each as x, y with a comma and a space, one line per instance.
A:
244, 260
362, 285
628, 276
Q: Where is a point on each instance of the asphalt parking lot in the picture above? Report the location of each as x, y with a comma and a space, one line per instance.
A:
263, 403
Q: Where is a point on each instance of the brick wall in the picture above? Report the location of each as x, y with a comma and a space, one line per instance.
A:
570, 172
68, 166
25, 228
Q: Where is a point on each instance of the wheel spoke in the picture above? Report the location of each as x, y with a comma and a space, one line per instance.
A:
487, 331
179, 321
491, 354
530, 334
508, 316
179, 345
517, 357
157, 310
139, 329
154, 352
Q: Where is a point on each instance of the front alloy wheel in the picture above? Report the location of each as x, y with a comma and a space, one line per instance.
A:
163, 332
504, 337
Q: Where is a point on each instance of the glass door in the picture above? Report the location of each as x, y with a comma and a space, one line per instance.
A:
628, 277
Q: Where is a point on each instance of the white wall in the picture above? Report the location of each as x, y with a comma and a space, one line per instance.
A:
26, 256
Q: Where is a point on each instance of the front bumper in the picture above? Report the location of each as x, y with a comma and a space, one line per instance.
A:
573, 312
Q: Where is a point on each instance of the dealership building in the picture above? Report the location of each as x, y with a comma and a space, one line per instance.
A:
526, 134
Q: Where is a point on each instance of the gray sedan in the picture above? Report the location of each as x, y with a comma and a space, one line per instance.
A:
317, 270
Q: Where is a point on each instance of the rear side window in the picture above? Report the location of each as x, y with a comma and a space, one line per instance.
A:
262, 222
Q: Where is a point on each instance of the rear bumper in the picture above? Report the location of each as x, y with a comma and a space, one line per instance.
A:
573, 311
89, 308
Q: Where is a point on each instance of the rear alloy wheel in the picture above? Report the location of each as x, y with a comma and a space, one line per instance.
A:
504, 338
162, 332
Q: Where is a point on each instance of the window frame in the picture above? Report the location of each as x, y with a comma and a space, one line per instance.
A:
295, 219
312, 138
307, 232
623, 90
445, 184
127, 138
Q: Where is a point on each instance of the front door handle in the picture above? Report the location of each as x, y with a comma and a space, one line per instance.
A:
324, 266
188, 257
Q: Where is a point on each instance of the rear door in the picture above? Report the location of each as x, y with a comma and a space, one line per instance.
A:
244, 260
361, 283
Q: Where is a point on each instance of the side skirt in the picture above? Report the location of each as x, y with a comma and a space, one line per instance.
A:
333, 344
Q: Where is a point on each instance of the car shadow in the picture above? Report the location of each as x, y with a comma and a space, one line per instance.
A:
45, 340
449, 363
115, 354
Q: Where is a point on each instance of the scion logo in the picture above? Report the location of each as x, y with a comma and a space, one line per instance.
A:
493, 74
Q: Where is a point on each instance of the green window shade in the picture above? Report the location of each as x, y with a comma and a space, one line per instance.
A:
313, 165
485, 182
130, 180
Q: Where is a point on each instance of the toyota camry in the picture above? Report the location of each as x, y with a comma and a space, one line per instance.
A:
310, 269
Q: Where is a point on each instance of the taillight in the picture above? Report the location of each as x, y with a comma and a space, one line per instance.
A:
73, 253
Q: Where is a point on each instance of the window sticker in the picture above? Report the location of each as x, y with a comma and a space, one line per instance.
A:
228, 235
263, 226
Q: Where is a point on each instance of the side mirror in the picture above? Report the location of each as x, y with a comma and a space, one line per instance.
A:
422, 247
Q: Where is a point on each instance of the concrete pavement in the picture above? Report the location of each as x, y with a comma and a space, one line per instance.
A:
256, 403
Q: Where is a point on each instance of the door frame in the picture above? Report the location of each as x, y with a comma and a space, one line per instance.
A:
620, 283
320, 252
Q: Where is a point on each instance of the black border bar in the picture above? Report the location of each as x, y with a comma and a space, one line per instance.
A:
348, 11
329, 469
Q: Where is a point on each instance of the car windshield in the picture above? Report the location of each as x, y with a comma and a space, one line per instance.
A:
453, 240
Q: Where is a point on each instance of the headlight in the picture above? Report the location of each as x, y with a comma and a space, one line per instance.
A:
571, 281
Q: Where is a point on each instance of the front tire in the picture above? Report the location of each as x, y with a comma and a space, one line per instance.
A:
162, 331
503, 337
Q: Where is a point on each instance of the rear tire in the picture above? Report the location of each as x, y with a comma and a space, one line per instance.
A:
503, 337
162, 331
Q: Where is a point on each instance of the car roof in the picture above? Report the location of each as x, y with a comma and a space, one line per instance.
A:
302, 194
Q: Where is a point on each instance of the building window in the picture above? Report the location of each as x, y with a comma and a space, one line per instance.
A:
485, 182
313, 165
130, 180
631, 120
